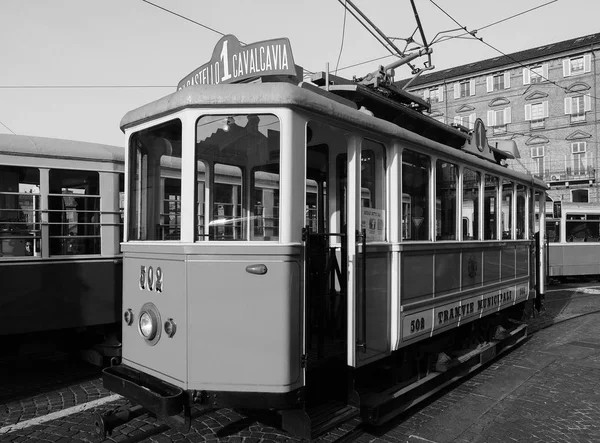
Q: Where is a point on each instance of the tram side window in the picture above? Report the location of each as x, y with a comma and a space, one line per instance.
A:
490, 219
239, 156
582, 228
155, 183
372, 185
506, 216
415, 186
446, 184
74, 212
19, 211
553, 231
470, 204
521, 208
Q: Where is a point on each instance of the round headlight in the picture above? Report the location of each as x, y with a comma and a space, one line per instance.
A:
147, 325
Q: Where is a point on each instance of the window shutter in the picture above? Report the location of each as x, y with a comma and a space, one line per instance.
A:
456, 90
506, 80
526, 76
566, 67
587, 63
472, 87
527, 112
568, 105
545, 105
545, 72
442, 89
587, 102
489, 82
426, 94
506, 115
490, 119
472, 118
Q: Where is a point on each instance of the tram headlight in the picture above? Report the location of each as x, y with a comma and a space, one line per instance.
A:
149, 323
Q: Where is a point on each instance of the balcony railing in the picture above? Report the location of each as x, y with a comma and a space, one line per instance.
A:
568, 174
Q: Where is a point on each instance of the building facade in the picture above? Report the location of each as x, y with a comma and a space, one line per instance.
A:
545, 99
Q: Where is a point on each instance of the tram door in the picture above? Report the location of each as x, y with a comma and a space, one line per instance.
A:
325, 292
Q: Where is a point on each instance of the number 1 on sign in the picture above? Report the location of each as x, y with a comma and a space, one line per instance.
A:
225, 61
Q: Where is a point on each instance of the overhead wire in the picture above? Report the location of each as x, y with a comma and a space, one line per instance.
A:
343, 35
452, 37
500, 52
187, 18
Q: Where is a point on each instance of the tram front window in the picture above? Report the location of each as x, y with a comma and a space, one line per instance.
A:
155, 183
237, 169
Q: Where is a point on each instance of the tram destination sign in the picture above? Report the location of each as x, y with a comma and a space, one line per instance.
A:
231, 62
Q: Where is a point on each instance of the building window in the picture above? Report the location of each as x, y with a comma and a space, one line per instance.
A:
577, 65
434, 95
535, 74
580, 196
498, 82
464, 88
577, 106
499, 119
537, 155
468, 121
536, 113
578, 151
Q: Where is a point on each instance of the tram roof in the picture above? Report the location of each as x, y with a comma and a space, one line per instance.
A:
30, 146
290, 95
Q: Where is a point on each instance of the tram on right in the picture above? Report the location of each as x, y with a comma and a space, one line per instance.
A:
573, 237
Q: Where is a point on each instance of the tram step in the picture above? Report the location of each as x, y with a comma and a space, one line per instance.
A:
377, 408
317, 420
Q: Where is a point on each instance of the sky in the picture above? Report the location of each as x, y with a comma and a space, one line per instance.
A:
72, 68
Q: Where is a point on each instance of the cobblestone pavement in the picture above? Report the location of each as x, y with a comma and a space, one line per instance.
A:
546, 390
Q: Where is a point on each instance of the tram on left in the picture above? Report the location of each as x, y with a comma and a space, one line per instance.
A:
60, 233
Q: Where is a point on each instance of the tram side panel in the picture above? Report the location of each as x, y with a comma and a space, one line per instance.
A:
471, 282
46, 295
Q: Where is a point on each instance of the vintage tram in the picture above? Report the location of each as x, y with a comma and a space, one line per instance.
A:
60, 233
320, 243
573, 235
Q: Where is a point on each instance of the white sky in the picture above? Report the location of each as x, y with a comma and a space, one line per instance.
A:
132, 43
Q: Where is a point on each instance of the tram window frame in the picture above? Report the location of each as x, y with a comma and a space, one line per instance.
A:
20, 212
145, 190
490, 208
373, 203
372, 218
244, 130
522, 193
420, 218
508, 196
471, 193
73, 230
446, 200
